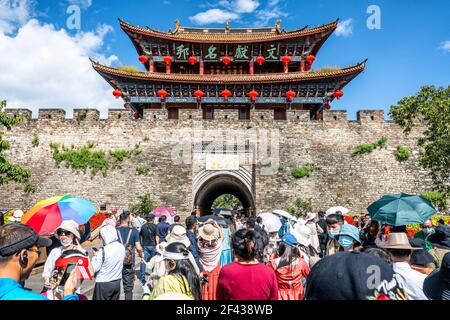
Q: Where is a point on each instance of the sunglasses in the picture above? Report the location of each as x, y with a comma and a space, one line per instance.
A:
63, 233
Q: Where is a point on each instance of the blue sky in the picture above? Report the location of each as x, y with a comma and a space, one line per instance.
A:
411, 49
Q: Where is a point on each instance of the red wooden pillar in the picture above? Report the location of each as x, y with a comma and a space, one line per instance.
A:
168, 68
252, 67
286, 67
302, 65
152, 66
202, 67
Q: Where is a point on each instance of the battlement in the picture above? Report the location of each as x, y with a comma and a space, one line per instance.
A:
156, 116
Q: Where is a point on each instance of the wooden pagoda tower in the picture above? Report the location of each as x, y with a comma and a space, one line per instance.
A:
243, 68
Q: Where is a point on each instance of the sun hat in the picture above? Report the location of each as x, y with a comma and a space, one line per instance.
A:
398, 240
345, 276
303, 234
161, 247
71, 226
289, 239
208, 232
311, 216
437, 285
351, 231
178, 234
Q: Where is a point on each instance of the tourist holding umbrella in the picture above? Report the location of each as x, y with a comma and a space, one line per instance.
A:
62, 214
69, 235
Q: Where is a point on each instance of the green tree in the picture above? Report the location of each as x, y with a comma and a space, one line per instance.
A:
301, 207
227, 201
431, 106
9, 172
144, 206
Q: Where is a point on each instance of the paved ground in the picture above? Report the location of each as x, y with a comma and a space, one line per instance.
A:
35, 283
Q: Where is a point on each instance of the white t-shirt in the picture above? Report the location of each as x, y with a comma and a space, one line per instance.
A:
412, 279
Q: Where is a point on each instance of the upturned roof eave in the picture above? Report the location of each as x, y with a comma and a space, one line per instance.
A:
229, 79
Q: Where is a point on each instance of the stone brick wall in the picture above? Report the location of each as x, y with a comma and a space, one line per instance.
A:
341, 179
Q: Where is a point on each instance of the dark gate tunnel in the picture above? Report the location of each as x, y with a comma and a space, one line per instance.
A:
217, 186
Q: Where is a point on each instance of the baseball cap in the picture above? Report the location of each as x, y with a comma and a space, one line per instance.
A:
25, 238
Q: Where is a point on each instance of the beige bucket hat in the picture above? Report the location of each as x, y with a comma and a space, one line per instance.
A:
398, 240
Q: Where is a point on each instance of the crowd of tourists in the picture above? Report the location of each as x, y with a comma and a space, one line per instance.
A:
317, 257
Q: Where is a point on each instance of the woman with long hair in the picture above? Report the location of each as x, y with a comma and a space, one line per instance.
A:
181, 277
246, 278
290, 269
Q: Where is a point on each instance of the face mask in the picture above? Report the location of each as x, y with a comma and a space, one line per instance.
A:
332, 233
428, 230
346, 242
66, 243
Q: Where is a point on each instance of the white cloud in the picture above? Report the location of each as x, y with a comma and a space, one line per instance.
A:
14, 14
245, 6
82, 3
344, 28
264, 16
47, 68
213, 16
235, 9
445, 46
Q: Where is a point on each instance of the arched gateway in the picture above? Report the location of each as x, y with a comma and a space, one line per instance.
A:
209, 185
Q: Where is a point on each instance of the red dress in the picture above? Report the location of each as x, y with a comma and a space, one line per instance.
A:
289, 279
209, 290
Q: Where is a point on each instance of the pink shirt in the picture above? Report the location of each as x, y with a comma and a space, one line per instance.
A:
247, 282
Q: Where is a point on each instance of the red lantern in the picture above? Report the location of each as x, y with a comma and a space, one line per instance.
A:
291, 94
318, 117
192, 60
310, 59
253, 94
260, 60
125, 106
338, 94
136, 115
307, 67
143, 59
162, 94
226, 94
286, 60
226, 60
327, 106
199, 95
117, 93
168, 60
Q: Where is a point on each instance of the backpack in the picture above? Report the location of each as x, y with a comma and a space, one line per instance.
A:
128, 260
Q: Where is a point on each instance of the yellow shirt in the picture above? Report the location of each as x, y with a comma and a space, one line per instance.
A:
171, 283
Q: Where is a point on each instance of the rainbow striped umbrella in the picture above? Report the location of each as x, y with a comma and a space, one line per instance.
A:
48, 214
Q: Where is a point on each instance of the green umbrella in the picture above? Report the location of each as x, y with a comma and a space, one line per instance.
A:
401, 209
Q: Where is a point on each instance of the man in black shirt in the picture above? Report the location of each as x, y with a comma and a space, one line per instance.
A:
176, 222
323, 237
148, 241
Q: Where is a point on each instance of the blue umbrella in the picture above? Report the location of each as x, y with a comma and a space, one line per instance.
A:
401, 209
